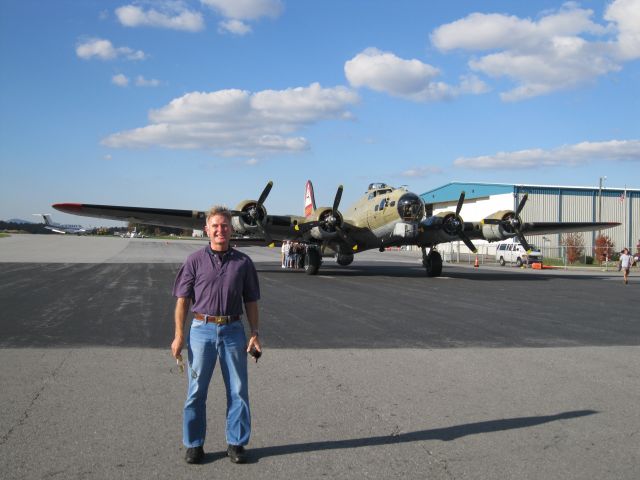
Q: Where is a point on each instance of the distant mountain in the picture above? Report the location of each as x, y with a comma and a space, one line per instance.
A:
18, 220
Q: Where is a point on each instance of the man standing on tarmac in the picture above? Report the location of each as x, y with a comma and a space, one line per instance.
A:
216, 281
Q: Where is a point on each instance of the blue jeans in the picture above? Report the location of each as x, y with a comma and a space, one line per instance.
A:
207, 342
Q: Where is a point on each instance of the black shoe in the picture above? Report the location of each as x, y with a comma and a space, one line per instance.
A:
237, 454
194, 455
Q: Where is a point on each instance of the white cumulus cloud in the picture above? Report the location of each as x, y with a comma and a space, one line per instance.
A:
566, 155
626, 15
104, 50
236, 27
120, 80
143, 82
246, 9
422, 171
410, 79
172, 15
561, 50
237, 122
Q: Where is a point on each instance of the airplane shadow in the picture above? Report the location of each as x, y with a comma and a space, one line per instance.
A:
413, 271
444, 434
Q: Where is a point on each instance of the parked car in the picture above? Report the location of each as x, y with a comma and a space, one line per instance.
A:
512, 251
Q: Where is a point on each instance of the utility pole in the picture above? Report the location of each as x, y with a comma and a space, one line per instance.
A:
602, 179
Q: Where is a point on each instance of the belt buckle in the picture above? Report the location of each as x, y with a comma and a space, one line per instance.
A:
218, 319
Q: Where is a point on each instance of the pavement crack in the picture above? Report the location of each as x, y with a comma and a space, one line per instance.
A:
442, 462
25, 415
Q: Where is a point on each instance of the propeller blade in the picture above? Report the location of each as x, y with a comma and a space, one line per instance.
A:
523, 241
336, 201
522, 203
265, 193
460, 202
267, 238
468, 242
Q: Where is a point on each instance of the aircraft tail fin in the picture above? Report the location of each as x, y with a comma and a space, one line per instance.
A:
46, 217
309, 199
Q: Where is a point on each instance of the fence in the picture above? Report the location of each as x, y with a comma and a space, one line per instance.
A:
457, 252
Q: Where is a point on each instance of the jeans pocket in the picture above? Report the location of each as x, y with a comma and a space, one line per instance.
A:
197, 323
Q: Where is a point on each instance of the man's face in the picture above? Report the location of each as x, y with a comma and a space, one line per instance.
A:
219, 232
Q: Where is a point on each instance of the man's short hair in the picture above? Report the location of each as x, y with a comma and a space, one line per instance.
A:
219, 210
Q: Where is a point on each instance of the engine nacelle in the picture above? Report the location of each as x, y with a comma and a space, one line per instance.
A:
325, 230
446, 232
252, 213
493, 232
436, 226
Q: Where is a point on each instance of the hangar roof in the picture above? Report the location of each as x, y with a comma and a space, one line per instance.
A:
451, 191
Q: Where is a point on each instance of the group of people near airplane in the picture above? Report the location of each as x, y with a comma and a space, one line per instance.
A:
293, 254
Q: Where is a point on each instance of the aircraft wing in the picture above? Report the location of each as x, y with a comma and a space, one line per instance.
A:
545, 228
190, 219
277, 227
57, 230
474, 229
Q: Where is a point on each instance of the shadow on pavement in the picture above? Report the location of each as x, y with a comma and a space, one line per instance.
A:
444, 434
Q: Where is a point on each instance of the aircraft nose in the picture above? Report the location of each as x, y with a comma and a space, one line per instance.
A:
410, 207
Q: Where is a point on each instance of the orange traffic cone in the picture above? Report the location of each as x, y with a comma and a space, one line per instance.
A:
476, 264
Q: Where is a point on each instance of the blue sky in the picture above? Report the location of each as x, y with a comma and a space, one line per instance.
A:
186, 104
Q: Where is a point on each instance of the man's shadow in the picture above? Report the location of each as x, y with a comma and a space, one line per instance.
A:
444, 434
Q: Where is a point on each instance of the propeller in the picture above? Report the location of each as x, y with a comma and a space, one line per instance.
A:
513, 223
255, 213
454, 225
331, 222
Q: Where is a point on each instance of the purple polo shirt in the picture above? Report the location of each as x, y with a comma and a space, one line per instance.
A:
217, 286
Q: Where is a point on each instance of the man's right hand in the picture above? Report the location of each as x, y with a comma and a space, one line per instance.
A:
176, 347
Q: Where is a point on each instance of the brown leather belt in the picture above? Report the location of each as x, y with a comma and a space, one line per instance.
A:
217, 319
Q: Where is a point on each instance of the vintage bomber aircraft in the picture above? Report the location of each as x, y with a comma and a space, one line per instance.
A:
384, 217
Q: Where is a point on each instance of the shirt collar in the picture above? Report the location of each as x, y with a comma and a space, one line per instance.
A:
211, 251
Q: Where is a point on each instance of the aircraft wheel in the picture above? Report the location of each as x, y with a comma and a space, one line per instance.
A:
502, 262
311, 261
433, 264
344, 259
519, 262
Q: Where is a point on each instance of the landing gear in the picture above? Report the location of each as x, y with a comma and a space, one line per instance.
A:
432, 262
312, 261
344, 259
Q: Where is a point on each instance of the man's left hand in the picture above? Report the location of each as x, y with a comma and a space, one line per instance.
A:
254, 342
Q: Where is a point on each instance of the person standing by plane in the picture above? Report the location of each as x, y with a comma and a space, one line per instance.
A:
626, 261
216, 281
282, 253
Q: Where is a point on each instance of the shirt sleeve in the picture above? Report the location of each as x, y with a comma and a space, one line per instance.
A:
183, 285
251, 290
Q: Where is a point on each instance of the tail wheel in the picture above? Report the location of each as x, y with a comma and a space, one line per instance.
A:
311, 261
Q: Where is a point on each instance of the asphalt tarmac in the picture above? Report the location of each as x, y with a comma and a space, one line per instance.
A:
369, 371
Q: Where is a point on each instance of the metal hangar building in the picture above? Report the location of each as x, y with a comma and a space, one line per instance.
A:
547, 203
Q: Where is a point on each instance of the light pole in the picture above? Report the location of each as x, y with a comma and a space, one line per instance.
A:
602, 179
545, 246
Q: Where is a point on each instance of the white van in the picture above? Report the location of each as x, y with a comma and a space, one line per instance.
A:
512, 251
